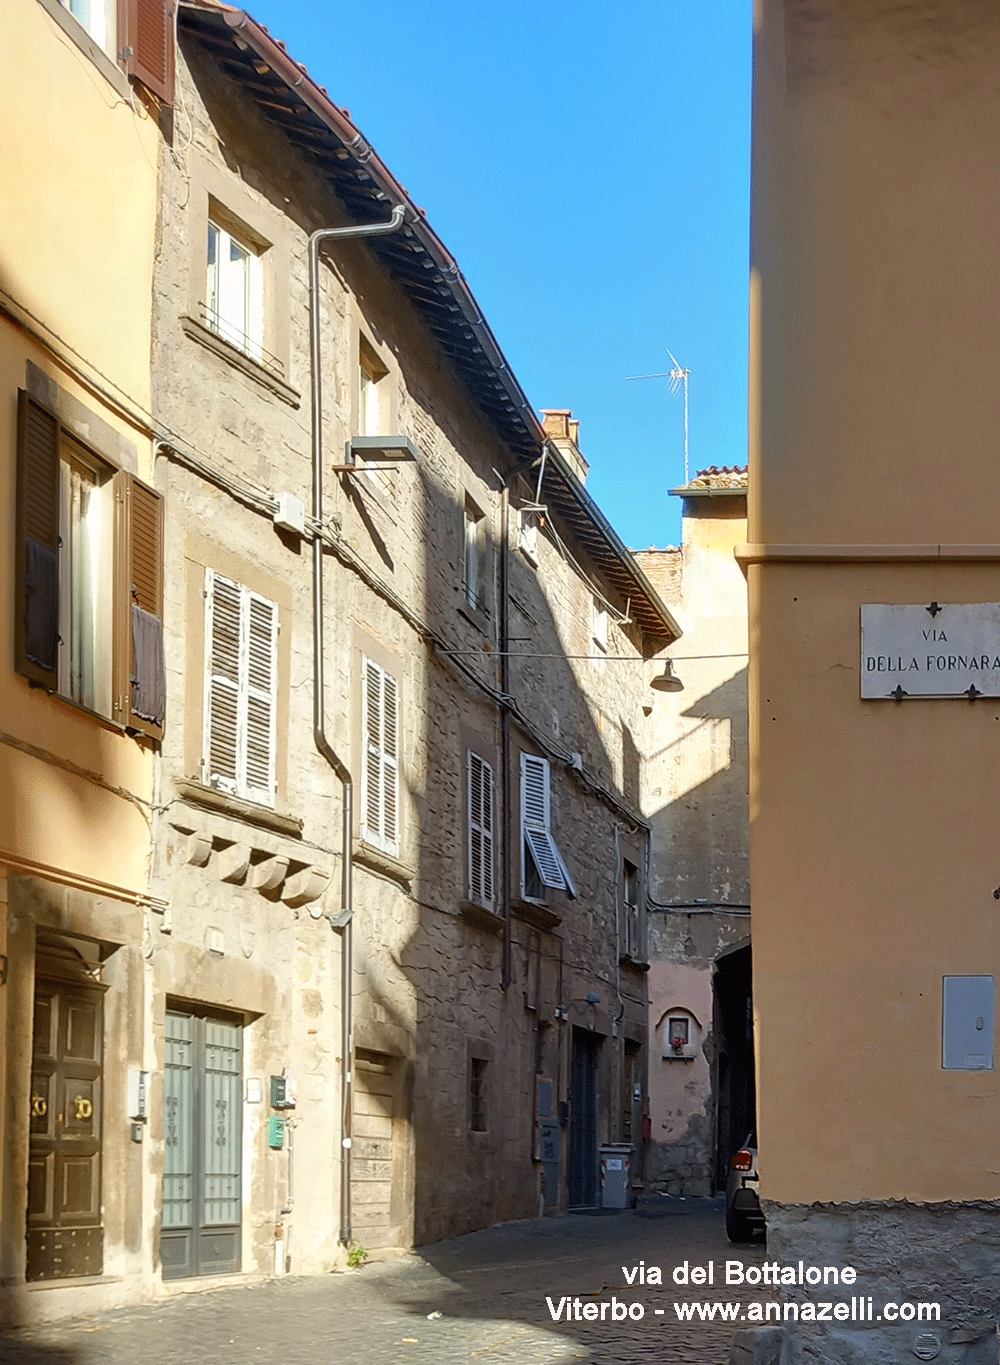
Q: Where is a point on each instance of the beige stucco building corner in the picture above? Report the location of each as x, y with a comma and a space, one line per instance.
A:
873, 840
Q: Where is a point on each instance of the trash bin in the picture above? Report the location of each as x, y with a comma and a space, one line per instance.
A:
616, 1163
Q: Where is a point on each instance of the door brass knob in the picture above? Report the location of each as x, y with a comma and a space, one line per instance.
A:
82, 1107
39, 1106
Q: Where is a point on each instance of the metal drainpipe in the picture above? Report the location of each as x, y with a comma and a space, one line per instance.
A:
505, 783
342, 921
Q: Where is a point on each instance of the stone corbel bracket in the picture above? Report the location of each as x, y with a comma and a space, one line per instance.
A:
257, 859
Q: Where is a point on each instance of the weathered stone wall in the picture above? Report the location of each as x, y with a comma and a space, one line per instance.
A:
427, 973
914, 1254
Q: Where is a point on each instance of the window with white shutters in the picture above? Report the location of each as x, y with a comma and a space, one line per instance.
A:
480, 831
380, 773
542, 861
241, 658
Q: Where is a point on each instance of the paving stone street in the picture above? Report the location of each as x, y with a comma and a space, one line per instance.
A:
478, 1298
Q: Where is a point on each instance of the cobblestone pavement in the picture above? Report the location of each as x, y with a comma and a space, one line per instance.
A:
478, 1298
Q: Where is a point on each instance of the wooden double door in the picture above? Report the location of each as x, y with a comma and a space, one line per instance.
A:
65, 1236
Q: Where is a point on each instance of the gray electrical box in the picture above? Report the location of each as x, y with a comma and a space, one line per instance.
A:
967, 1023
616, 1162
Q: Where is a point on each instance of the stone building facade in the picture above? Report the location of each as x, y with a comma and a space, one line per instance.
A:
487, 644
701, 1093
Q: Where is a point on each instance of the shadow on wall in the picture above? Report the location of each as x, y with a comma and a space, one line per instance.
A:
701, 841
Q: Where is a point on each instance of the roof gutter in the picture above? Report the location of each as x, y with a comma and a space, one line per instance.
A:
615, 544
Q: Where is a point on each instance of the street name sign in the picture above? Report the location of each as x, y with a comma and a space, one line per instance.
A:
946, 649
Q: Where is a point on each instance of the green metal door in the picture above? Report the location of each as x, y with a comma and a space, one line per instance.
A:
202, 1177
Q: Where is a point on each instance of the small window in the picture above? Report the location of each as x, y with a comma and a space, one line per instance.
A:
528, 536
235, 297
241, 649
373, 395
599, 623
86, 557
380, 770
630, 909
88, 620
474, 563
374, 416
477, 1094
542, 864
90, 14
480, 831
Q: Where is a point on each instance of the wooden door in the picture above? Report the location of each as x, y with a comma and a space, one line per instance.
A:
64, 1233
583, 1121
371, 1157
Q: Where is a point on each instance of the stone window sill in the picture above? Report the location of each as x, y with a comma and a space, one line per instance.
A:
637, 964
481, 917
541, 916
377, 861
197, 794
197, 331
475, 615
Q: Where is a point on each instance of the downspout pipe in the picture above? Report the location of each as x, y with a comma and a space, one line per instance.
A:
342, 920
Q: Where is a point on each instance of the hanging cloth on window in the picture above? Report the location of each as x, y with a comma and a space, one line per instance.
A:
149, 693
41, 605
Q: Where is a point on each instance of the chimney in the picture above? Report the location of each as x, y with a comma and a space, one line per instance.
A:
563, 430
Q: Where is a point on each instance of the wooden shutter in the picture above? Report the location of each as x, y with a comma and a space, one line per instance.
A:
148, 40
222, 683
37, 536
380, 795
535, 824
261, 696
480, 827
142, 557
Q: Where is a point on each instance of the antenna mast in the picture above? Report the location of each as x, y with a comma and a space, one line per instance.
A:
678, 376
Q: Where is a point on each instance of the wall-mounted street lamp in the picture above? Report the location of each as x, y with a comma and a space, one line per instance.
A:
562, 1011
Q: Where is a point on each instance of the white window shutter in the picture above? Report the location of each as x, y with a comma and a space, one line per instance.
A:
223, 648
536, 825
261, 619
390, 764
380, 774
480, 826
241, 665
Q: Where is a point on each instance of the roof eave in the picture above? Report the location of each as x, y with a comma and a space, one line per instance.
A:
533, 438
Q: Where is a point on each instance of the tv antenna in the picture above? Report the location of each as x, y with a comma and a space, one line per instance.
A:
678, 377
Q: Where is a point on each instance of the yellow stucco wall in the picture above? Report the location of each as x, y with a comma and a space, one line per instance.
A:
77, 236
875, 838
77, 232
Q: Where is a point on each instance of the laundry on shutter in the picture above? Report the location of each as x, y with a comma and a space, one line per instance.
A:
149, 693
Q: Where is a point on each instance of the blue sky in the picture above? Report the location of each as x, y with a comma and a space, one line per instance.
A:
588, 167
